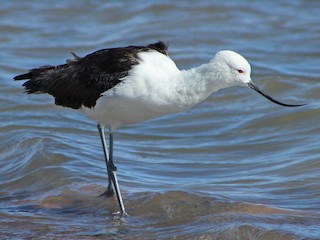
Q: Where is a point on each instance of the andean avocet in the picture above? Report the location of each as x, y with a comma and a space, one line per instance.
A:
125, 85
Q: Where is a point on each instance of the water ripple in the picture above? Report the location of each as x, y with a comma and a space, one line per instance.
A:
234, 167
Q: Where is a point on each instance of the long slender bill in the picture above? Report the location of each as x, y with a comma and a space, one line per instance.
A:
263, 93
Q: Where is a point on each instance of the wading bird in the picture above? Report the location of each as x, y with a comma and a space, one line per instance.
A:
125, 85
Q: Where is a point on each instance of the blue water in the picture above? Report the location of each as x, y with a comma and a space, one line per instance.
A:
234, 167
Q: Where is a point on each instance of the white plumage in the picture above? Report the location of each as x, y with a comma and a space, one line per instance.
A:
157, 87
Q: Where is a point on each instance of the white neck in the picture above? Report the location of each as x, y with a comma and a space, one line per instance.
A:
199, 83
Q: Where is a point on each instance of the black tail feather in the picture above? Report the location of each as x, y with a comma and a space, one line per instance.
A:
36, 82
23, 76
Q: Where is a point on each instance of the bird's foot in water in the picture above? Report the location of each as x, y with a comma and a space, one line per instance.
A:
120, 216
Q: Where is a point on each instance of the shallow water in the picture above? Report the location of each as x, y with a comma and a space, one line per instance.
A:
234, 167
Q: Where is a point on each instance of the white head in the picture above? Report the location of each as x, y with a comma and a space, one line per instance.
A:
234, 70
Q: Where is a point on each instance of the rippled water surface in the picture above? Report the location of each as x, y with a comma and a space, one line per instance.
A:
234, 167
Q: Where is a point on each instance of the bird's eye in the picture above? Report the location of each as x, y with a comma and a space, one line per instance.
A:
240, 71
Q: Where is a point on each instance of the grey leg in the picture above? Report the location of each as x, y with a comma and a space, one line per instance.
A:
113, 177
111, 168
109, 191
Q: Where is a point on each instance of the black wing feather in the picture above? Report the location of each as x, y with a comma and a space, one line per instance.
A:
81, 81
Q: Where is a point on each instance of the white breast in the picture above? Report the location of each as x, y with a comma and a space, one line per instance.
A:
147, 92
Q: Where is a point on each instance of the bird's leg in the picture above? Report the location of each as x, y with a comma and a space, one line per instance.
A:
109, 191
113, 176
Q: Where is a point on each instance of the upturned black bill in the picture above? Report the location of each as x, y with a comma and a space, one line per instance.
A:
263, 93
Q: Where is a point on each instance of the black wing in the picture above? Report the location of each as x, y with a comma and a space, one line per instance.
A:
81, 81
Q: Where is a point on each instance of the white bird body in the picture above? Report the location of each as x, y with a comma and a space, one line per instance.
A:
156, 87
147, 91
